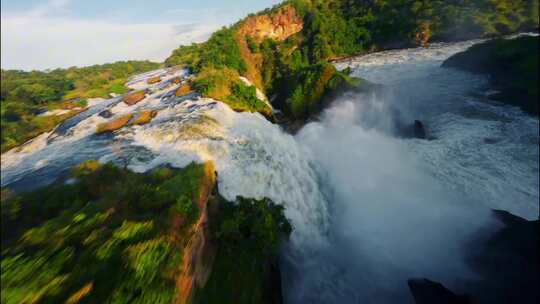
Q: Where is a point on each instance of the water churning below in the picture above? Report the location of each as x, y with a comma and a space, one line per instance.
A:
406, 208
369, 209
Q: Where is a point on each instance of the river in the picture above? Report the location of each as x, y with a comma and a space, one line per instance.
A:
369, 208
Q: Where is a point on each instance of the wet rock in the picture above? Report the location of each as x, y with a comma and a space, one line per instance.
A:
154, 80
106, 114
144, 117
184, 90
429, 292
134, 98
490, 140
40, 111
507, 261
114, 124
419, 130
415, 130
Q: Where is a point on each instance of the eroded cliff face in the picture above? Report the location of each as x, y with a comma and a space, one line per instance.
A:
278, 26
199, 252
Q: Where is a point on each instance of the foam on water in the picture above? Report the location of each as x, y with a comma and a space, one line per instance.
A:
403, 208
253, 157
484, 149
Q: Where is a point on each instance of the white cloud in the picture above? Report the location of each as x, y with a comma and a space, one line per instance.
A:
35, 42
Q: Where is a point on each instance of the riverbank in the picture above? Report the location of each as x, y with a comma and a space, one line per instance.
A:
512, 65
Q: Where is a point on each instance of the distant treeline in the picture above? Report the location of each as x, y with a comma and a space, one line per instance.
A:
24, 94
296, 72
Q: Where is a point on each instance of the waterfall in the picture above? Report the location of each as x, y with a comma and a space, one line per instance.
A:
369, 209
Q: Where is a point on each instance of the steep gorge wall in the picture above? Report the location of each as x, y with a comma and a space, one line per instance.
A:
199, 252
277, 26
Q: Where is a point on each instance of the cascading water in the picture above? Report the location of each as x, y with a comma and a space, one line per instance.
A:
369, 209
408, 208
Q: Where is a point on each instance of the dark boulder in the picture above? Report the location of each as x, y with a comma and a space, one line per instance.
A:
419, 131
415, 130
106, 114
429, 292
508, 262
40, 111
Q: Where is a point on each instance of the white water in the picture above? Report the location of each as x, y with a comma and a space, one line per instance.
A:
369, 210
405, 208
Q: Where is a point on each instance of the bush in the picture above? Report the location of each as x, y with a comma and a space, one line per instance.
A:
95, 239
249, 234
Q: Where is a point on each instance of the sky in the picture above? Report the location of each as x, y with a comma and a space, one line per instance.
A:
45, 34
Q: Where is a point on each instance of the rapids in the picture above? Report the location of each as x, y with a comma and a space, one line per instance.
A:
369, 209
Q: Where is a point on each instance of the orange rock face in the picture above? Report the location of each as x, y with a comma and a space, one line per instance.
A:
199, 253
144, 117
134, 98
114, 124
423, 35
278, 26
154, 80
176, 80
183, 90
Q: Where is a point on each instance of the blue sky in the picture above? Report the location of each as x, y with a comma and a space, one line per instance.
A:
41, 34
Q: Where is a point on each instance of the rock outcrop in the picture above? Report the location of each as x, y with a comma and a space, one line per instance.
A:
429, 292
419, 130
508, 262
277, 26
134, 98
143, 117
114, 124
199, 253
154, 80
512, 66
184, 90
106, 114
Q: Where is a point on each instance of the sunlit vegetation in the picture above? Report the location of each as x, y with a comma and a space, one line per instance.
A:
23, 95
333, 29
512, 65
109, 230
248, 234
114, 236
